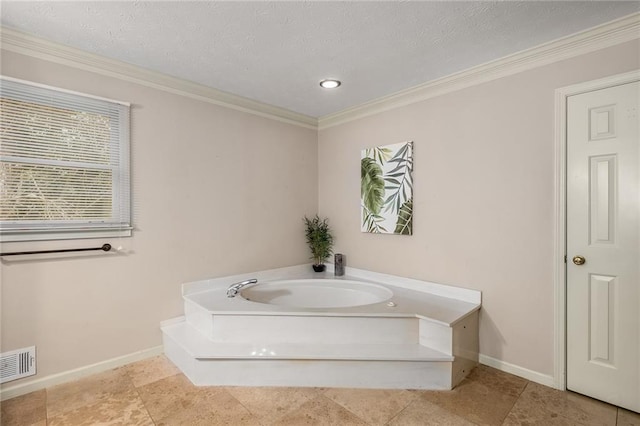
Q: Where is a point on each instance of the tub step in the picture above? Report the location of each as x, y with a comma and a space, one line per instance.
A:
199, 347
376, 366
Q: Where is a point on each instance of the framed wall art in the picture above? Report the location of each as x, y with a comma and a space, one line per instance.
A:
386, 189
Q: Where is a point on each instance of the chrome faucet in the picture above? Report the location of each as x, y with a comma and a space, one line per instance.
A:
234, 289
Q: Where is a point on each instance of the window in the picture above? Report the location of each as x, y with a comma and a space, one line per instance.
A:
64, 164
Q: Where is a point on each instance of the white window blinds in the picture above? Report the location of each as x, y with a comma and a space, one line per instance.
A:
64, 164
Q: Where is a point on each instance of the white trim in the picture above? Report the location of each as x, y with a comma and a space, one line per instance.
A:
525, 373
559, 237
25, 44
605, 35
8, 392
62, 234
559, 249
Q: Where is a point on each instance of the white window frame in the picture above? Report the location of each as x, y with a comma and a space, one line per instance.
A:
120, 223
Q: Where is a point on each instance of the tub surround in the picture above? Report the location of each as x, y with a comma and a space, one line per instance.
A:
439, 306
424, 336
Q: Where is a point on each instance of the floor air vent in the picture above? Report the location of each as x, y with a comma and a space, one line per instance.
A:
17, 364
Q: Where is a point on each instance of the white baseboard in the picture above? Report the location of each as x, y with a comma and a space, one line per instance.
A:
9, 392
516, 370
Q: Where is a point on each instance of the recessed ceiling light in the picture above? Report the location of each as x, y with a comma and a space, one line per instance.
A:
330, 84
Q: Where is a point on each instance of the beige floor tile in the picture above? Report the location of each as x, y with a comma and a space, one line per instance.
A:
269, 404
211, 409
497, 380
174, 393
422, 412
167, 397
151, 370
124, 408
474, 401
628, 418
42, 422
29, 409
320, 411
577, 408
530, 413
375, 406
73, 395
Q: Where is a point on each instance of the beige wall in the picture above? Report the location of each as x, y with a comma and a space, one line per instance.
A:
215, 192
483, 197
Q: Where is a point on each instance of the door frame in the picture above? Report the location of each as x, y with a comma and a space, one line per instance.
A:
560, 214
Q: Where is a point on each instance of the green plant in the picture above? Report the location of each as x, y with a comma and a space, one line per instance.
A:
319, 238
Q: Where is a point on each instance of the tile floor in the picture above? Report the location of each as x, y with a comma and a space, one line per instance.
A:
154, 392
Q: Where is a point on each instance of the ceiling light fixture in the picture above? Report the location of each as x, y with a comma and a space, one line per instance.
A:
330, 84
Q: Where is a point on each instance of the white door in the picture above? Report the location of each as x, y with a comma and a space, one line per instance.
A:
603, 231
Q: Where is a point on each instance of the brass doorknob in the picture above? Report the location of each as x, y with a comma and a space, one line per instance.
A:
579, 260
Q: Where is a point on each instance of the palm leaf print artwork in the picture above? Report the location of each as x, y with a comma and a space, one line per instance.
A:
386, 189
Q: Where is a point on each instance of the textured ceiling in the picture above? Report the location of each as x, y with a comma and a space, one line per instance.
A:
277, 52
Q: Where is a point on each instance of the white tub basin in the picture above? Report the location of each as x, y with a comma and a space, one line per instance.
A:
317, 293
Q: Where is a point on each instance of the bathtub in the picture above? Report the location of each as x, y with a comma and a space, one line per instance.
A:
317, 293
300, 328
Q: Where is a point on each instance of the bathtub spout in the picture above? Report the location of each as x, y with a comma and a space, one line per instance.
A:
234, 289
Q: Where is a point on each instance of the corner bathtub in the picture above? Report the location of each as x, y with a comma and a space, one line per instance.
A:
317, 293
299, 328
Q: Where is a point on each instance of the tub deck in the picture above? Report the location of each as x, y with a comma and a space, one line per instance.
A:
437, 306
430, 307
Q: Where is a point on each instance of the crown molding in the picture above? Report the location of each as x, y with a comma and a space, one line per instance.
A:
596, 38
26, 44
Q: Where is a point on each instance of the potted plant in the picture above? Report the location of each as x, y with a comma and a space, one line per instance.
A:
320, 241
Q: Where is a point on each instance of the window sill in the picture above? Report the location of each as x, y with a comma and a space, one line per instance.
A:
53, 235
